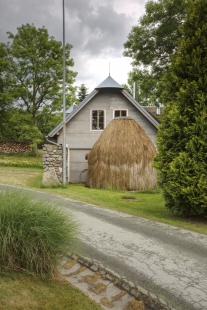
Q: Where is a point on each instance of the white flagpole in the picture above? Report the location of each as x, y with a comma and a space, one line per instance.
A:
64, 122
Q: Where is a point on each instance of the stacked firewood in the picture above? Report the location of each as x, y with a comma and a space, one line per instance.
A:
15, 147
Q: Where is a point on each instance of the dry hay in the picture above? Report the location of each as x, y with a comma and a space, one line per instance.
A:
122, 157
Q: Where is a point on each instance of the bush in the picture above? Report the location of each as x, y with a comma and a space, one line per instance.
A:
33, 233
182, 135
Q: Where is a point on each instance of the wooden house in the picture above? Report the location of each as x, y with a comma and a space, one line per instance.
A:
86, 122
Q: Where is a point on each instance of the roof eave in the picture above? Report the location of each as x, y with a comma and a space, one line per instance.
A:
74, 112
140, 108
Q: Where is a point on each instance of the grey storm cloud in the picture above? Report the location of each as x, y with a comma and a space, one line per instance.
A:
105, 29
96, 29
89, 27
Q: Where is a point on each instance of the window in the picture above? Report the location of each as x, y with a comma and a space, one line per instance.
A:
97, 120
119, 113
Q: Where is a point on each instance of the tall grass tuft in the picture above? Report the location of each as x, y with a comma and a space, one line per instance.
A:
33, 233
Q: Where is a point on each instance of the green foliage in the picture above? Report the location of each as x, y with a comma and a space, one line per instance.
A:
182, 136
33, 233
18, 126
154, 39
146, 86
151, 43
31, 78
5, 85
82, 93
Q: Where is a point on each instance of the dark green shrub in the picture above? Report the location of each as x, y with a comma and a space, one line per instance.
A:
33, 233
182, 136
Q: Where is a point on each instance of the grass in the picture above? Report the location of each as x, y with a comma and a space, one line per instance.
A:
148, 204
29, 160
20, 291
34, 234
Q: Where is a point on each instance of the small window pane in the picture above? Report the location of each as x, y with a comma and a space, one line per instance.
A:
123, 113
117, 113
98, 120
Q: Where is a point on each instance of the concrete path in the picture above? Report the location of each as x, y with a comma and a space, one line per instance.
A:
168, 264
103, 287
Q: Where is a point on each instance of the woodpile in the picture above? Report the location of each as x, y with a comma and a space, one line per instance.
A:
14, 147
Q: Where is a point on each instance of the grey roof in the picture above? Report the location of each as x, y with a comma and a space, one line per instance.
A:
109, 83
70, 109
73, 113
140, 108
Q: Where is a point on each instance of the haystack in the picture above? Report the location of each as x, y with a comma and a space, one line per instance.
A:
122, 158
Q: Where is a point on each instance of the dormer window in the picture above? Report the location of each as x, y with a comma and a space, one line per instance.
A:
120, 113
98, 120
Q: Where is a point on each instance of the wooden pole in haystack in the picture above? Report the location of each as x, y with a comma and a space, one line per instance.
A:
122, 158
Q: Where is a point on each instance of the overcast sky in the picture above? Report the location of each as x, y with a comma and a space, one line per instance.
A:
96, 29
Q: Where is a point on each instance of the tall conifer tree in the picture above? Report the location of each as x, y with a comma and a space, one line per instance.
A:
182, 136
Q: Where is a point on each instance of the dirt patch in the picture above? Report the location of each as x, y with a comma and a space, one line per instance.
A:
106, 302
118, 296
92, 278
69, 264
98, 288
81, 269
135, 305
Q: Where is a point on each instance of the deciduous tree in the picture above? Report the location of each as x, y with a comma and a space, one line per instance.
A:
145, 85
5, 87
35, 68
152, 42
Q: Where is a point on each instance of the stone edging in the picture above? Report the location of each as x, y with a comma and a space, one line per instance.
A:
151, 301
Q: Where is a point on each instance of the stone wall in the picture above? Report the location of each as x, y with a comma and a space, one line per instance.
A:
14, 147
52, 164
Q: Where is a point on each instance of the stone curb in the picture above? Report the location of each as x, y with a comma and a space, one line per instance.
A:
151, 301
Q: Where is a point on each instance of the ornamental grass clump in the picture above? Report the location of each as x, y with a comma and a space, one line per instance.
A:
122, 158
33, 233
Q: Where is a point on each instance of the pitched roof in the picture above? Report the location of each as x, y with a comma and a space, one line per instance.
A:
110, 83
140, 108
73, 113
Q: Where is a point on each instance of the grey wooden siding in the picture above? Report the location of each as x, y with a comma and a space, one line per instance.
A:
79, 136
78, 165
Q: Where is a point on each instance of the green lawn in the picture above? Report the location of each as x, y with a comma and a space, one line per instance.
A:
20, 291
26, 170
147, 204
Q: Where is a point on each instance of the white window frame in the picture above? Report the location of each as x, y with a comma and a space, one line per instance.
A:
91, 118
120, 110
